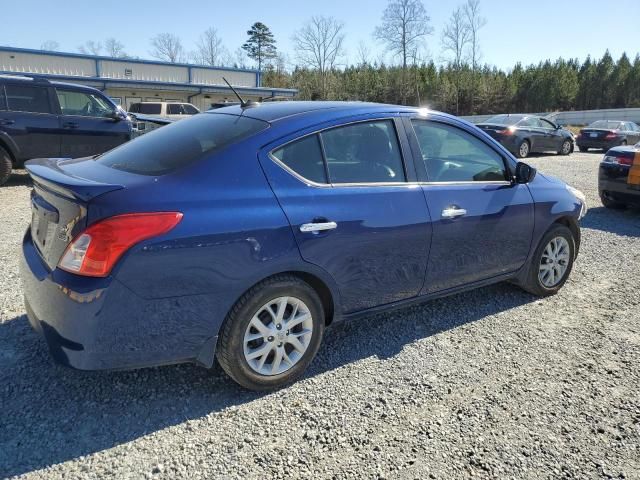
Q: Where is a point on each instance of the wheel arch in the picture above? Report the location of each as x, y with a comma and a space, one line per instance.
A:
4, 144
572, 224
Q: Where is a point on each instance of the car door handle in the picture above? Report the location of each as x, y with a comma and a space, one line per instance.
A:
453, 212
70, 125
318, 227
5, 121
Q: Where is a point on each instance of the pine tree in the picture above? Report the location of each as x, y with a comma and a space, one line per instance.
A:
261, 45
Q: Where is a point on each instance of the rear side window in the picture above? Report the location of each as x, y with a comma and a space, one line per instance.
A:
304, 157
26, 98
366, 152
180, 144
146, 108
453, 155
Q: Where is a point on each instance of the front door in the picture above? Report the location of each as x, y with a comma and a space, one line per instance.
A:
352, 210
87, 124
553, 135
30, 121
482, 222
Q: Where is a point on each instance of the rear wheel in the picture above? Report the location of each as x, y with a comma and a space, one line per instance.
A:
523, 149
552, 262
271, 334
565, 149
5, 166
583, 149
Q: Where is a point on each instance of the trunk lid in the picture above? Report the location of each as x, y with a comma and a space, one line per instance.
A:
596, 133
59, 202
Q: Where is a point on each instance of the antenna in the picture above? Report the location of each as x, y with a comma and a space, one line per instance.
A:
243, 103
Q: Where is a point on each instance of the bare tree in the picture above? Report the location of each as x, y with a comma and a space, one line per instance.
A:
364, 53
319, 44
50, 45
241, 58
475, 22
91, 48
455, 38
209, 49
167, 47
114, 48
405, 24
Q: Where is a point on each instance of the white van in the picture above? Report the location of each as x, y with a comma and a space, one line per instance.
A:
170, 110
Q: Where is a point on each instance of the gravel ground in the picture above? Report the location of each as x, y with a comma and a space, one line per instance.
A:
492, 384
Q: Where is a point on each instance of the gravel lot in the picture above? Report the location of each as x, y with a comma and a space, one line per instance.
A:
491, 383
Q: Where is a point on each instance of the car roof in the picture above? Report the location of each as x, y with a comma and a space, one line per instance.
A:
275, 111
44, 81
159, 101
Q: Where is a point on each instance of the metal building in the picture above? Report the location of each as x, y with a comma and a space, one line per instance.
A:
128, 81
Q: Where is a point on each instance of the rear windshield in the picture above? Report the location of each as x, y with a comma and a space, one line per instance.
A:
177, 145
505, 119
146, 108
608, 124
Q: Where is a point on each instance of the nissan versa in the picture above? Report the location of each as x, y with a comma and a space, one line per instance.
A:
242, 233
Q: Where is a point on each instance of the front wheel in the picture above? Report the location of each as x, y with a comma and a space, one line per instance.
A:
271, 334
565, 149
523, 149
552, 262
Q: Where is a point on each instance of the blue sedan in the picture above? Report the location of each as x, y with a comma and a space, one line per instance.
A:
241, 234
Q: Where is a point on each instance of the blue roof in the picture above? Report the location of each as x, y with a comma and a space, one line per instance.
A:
274, 111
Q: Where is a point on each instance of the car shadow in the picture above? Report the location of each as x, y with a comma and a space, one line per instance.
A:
18, 178
621, 222
52, 414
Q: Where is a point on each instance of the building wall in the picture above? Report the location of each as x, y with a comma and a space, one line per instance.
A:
46, 64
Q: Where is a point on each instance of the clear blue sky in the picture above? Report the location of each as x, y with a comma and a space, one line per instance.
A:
518, 30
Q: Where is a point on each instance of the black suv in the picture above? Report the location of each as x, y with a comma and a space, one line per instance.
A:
39, 118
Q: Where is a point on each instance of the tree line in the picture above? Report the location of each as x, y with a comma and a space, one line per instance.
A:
459, 82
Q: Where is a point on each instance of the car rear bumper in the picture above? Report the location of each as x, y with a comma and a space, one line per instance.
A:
600, 144
613, 183
99, 324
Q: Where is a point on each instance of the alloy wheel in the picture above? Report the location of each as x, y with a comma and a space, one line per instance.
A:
554, 262
278, 336
524, 149
566, 148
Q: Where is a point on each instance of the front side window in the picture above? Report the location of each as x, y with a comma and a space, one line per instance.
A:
366, 152
453, 155
175, 109
304, 157
83, 104
190, 109
26, 98
547, 124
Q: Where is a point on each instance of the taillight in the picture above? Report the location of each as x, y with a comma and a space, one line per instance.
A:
507, 131
95, 251
628, 161
611, 136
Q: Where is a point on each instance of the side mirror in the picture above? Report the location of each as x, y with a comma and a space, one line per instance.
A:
118, 115
558, 127
525, 173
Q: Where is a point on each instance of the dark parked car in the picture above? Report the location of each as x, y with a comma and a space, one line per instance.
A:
523, 134
606, 134
243, 232
39, 118
619, 177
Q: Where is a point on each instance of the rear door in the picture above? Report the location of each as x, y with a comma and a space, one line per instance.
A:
30, 121
87, 124
482, 222
355, 209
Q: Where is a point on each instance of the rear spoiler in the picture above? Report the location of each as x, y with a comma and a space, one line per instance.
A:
48, 173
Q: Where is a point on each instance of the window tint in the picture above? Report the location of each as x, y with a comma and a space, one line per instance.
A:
175, 109
453, 155
304, 157
146, 108
25, 98
83, 104
179, 144
365, 152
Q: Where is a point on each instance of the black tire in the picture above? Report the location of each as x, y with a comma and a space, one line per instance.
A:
609, 202
565, 148
6, 165
523, 152
583, 149
230, 347
532, 283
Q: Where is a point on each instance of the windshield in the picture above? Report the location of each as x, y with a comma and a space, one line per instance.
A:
606, 124
505, 119
177, 145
